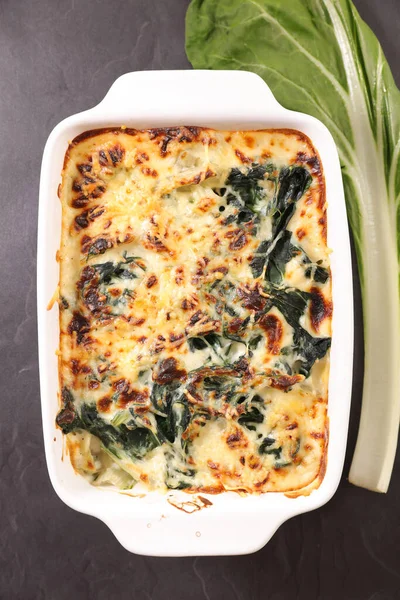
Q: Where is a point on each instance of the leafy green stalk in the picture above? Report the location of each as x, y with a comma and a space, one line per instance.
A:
319, 57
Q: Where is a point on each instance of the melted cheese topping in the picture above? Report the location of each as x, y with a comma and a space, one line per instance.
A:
195, 309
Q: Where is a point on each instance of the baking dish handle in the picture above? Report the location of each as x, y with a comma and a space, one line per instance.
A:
194, 93
195, 534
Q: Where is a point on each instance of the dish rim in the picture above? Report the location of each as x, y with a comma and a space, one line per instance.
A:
151, 525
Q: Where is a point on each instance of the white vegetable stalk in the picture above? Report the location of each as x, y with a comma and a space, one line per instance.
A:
377, 436
378, 432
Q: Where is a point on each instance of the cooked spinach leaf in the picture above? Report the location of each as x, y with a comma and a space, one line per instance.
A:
68, 419
292, 304
118, 270
253, 343
293, 182
265, 446
251, 418
247, 187
281, 253
178, 475
135, 442
259, 259
309, 349
172, 411
210, 340
319, 274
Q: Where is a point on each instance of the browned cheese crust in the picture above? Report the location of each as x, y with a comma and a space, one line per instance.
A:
195, 309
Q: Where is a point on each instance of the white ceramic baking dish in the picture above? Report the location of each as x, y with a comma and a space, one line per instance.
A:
232, 524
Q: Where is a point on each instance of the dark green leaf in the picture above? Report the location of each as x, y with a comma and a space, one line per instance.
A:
293, 182
319, 274
292, 305
134, 442
68, 419
253, 343
251, 418
281, 253
309, 349
265, 446
247, 187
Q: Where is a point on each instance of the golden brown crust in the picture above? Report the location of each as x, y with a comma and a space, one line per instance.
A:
106, 172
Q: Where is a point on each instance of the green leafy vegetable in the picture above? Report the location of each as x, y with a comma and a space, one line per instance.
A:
281, 254
319, 57
293, 182
130, 439
119, 270
119, 438
109, 271
211, 340
247, 186
319, 274
253, 343
251, 418
259, 260
67, 419
178, 476
266, 448
276, 252
172, 412
292, 305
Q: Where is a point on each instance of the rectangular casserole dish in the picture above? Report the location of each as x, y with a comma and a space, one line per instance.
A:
230, 524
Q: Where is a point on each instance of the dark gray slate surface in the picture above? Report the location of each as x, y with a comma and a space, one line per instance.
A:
56, 58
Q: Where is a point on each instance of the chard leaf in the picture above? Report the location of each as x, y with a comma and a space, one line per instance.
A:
178, 475
293, 182
120, 441
67, 418
251, 418
247, 185
319, 274
109, 271
292, 304
319, 57
258, 262
265, 446
282, 252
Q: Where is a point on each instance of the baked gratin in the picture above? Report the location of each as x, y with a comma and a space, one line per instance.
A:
195, 310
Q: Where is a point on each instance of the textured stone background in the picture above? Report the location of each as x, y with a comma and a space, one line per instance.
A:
57, 58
